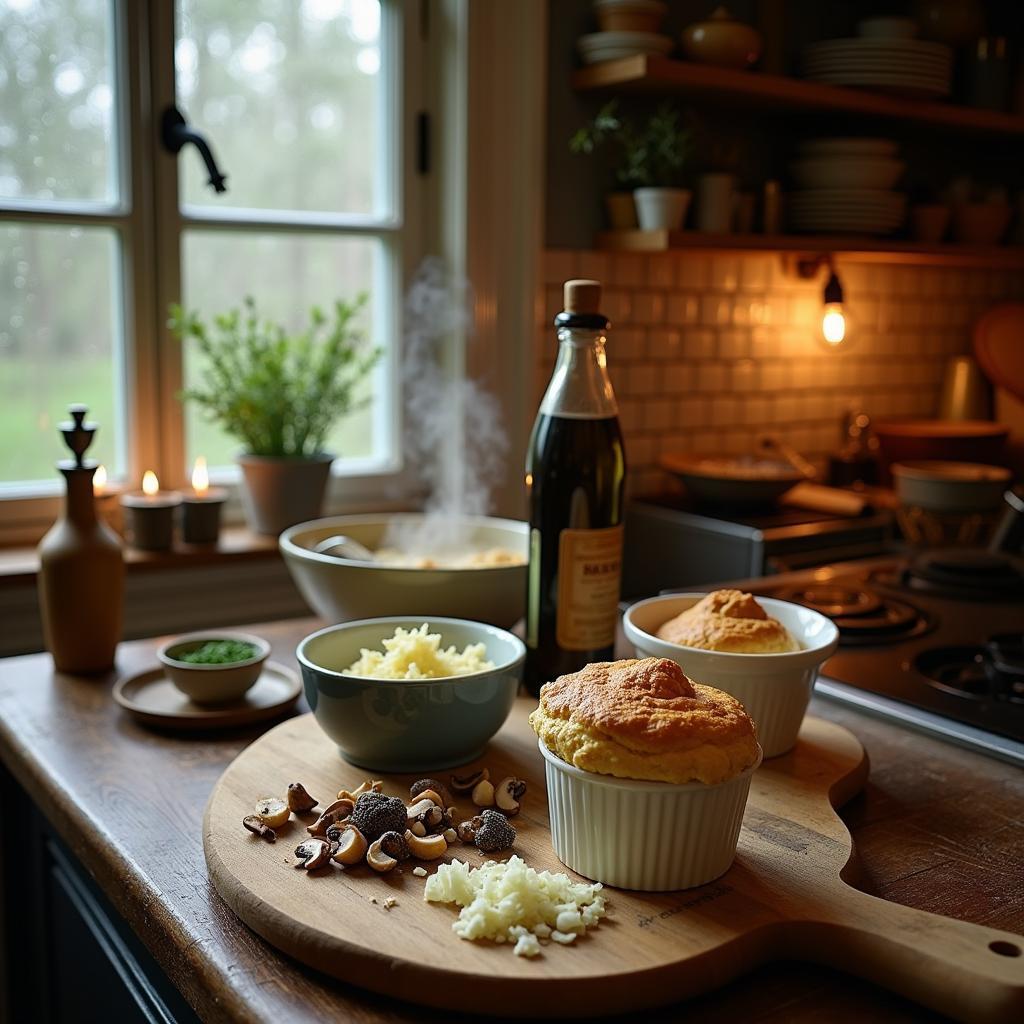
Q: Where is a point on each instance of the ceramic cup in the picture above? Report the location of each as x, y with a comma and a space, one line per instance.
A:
661, 208
409, 725
715, 202
774, 688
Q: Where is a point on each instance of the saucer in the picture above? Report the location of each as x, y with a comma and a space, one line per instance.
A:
152, 698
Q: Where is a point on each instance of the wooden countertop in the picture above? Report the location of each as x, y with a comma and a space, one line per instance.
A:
937, 828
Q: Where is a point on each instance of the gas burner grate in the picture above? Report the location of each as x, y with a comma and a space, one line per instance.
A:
862, 616
956, 670
958, 573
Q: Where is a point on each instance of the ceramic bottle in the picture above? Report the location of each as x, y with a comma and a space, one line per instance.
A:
81, 568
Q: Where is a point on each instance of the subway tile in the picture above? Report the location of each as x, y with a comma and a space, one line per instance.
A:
692, 271
617, 306
724, 411
648, 307
595, 266
679, 378
664, 343
756, 410
711, 377
642, 380
661, 271
765, 343
725, 273
628, 269
626, 345
642, 450
755, 273
773, 375
682, 308
733, 344
692, 411
715, 310
660, 415
746, 376
699, 343
631, 414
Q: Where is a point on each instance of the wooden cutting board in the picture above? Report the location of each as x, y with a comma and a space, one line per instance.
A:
783, 898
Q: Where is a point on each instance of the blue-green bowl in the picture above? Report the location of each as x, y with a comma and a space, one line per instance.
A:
396, 726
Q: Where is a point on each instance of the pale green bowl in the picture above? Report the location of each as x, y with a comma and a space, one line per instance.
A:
388, 726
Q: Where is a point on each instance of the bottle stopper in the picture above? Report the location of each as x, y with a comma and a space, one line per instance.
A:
78, 435
582, 296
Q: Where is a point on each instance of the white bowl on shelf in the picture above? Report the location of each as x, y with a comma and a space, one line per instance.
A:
601, 46
814, 149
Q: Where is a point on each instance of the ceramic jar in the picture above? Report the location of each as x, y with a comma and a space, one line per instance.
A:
723, 41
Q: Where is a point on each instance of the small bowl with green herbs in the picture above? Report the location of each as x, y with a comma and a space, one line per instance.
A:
214, 667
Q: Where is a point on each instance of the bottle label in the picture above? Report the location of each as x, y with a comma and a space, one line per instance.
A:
589, 569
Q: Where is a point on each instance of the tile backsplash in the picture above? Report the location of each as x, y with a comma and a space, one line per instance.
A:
708, 352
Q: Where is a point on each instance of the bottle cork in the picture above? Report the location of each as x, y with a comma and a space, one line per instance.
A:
582, 296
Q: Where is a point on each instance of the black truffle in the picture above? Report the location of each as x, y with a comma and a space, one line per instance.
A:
494, 832
376, 814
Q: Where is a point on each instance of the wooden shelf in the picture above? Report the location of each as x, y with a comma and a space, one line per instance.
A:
661, 76
867, 250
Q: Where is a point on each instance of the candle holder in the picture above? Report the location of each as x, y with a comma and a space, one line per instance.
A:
200, 515
149, 519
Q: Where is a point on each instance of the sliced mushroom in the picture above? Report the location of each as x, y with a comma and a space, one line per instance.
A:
313, 853
466, 830
417, 828
466, 783
367, 786
483, 794
299, 800
429, 848
386, 852
450, 835
255, 825
508, 793
433, 796
332, 814
418, 810
352, 846
272, 811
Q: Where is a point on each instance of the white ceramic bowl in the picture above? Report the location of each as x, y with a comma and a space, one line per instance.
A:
340, 590
950, 486
651, 836
846, 172
774, 688
212, 684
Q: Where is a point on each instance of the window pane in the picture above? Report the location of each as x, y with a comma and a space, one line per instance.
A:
56, 100
290, 95
286, 274
59, 326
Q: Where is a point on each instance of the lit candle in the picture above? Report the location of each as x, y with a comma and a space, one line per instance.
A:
150, 514
200, 508
99, 480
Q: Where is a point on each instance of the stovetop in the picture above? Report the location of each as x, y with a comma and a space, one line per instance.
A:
936, 641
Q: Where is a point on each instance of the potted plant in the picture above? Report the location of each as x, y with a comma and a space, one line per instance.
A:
609, 129
656, 162
280, 395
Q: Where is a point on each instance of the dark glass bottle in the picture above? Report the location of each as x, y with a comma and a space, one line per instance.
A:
575, 478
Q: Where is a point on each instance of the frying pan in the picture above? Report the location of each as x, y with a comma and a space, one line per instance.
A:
729, 479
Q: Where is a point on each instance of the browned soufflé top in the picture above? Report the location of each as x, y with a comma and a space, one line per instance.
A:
731, 621
644, 719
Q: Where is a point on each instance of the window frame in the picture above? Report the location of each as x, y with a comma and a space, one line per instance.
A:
149, 224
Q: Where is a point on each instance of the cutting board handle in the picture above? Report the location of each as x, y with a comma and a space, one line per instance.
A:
966, 971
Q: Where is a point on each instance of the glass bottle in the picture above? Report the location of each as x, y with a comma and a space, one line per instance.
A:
575, 478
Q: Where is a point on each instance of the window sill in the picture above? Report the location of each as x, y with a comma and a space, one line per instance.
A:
237, 544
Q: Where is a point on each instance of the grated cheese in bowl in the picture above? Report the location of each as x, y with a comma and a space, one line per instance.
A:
512, 902
417, 654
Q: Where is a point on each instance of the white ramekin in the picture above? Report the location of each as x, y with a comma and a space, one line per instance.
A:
774, 688
652, 836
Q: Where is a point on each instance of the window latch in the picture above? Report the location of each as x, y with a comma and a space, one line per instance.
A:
175, 132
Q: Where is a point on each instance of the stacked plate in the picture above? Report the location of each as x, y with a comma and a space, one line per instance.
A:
602, 46
847, 187
907, 67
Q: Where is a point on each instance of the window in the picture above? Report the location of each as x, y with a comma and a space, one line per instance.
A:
303, 104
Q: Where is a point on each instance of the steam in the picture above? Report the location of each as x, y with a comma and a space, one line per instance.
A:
454, 436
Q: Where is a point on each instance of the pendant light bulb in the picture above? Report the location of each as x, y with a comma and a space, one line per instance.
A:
833, 316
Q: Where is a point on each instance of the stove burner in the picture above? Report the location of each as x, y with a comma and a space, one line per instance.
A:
966, 573
1004, 665
862, 615
833, 600
956, 670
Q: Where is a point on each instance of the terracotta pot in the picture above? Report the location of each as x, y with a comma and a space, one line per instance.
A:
280, 492
630, 15
658, 208
723, 41
621, 210
931, 221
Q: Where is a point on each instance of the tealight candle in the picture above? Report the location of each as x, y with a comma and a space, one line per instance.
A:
106, 498
201, 507
150, 514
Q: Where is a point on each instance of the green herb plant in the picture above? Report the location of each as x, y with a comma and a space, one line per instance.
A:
654, 155
279, 394
218, 652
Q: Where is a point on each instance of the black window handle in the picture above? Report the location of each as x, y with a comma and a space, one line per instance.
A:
175, 132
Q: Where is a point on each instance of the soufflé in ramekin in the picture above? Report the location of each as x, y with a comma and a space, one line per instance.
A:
647, 773
729, 620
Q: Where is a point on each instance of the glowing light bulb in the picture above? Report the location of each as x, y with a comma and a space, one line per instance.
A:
99, 479
150, 483
833, 323
200, 476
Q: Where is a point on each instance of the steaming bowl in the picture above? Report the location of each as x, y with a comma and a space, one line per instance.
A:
340, 590
409, 725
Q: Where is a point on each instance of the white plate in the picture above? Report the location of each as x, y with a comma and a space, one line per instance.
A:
846, 172
860, 45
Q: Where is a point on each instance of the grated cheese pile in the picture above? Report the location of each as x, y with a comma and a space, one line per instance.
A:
513, 902
417, 654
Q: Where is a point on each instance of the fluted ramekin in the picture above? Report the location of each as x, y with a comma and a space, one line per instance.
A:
651, 836
774, 688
